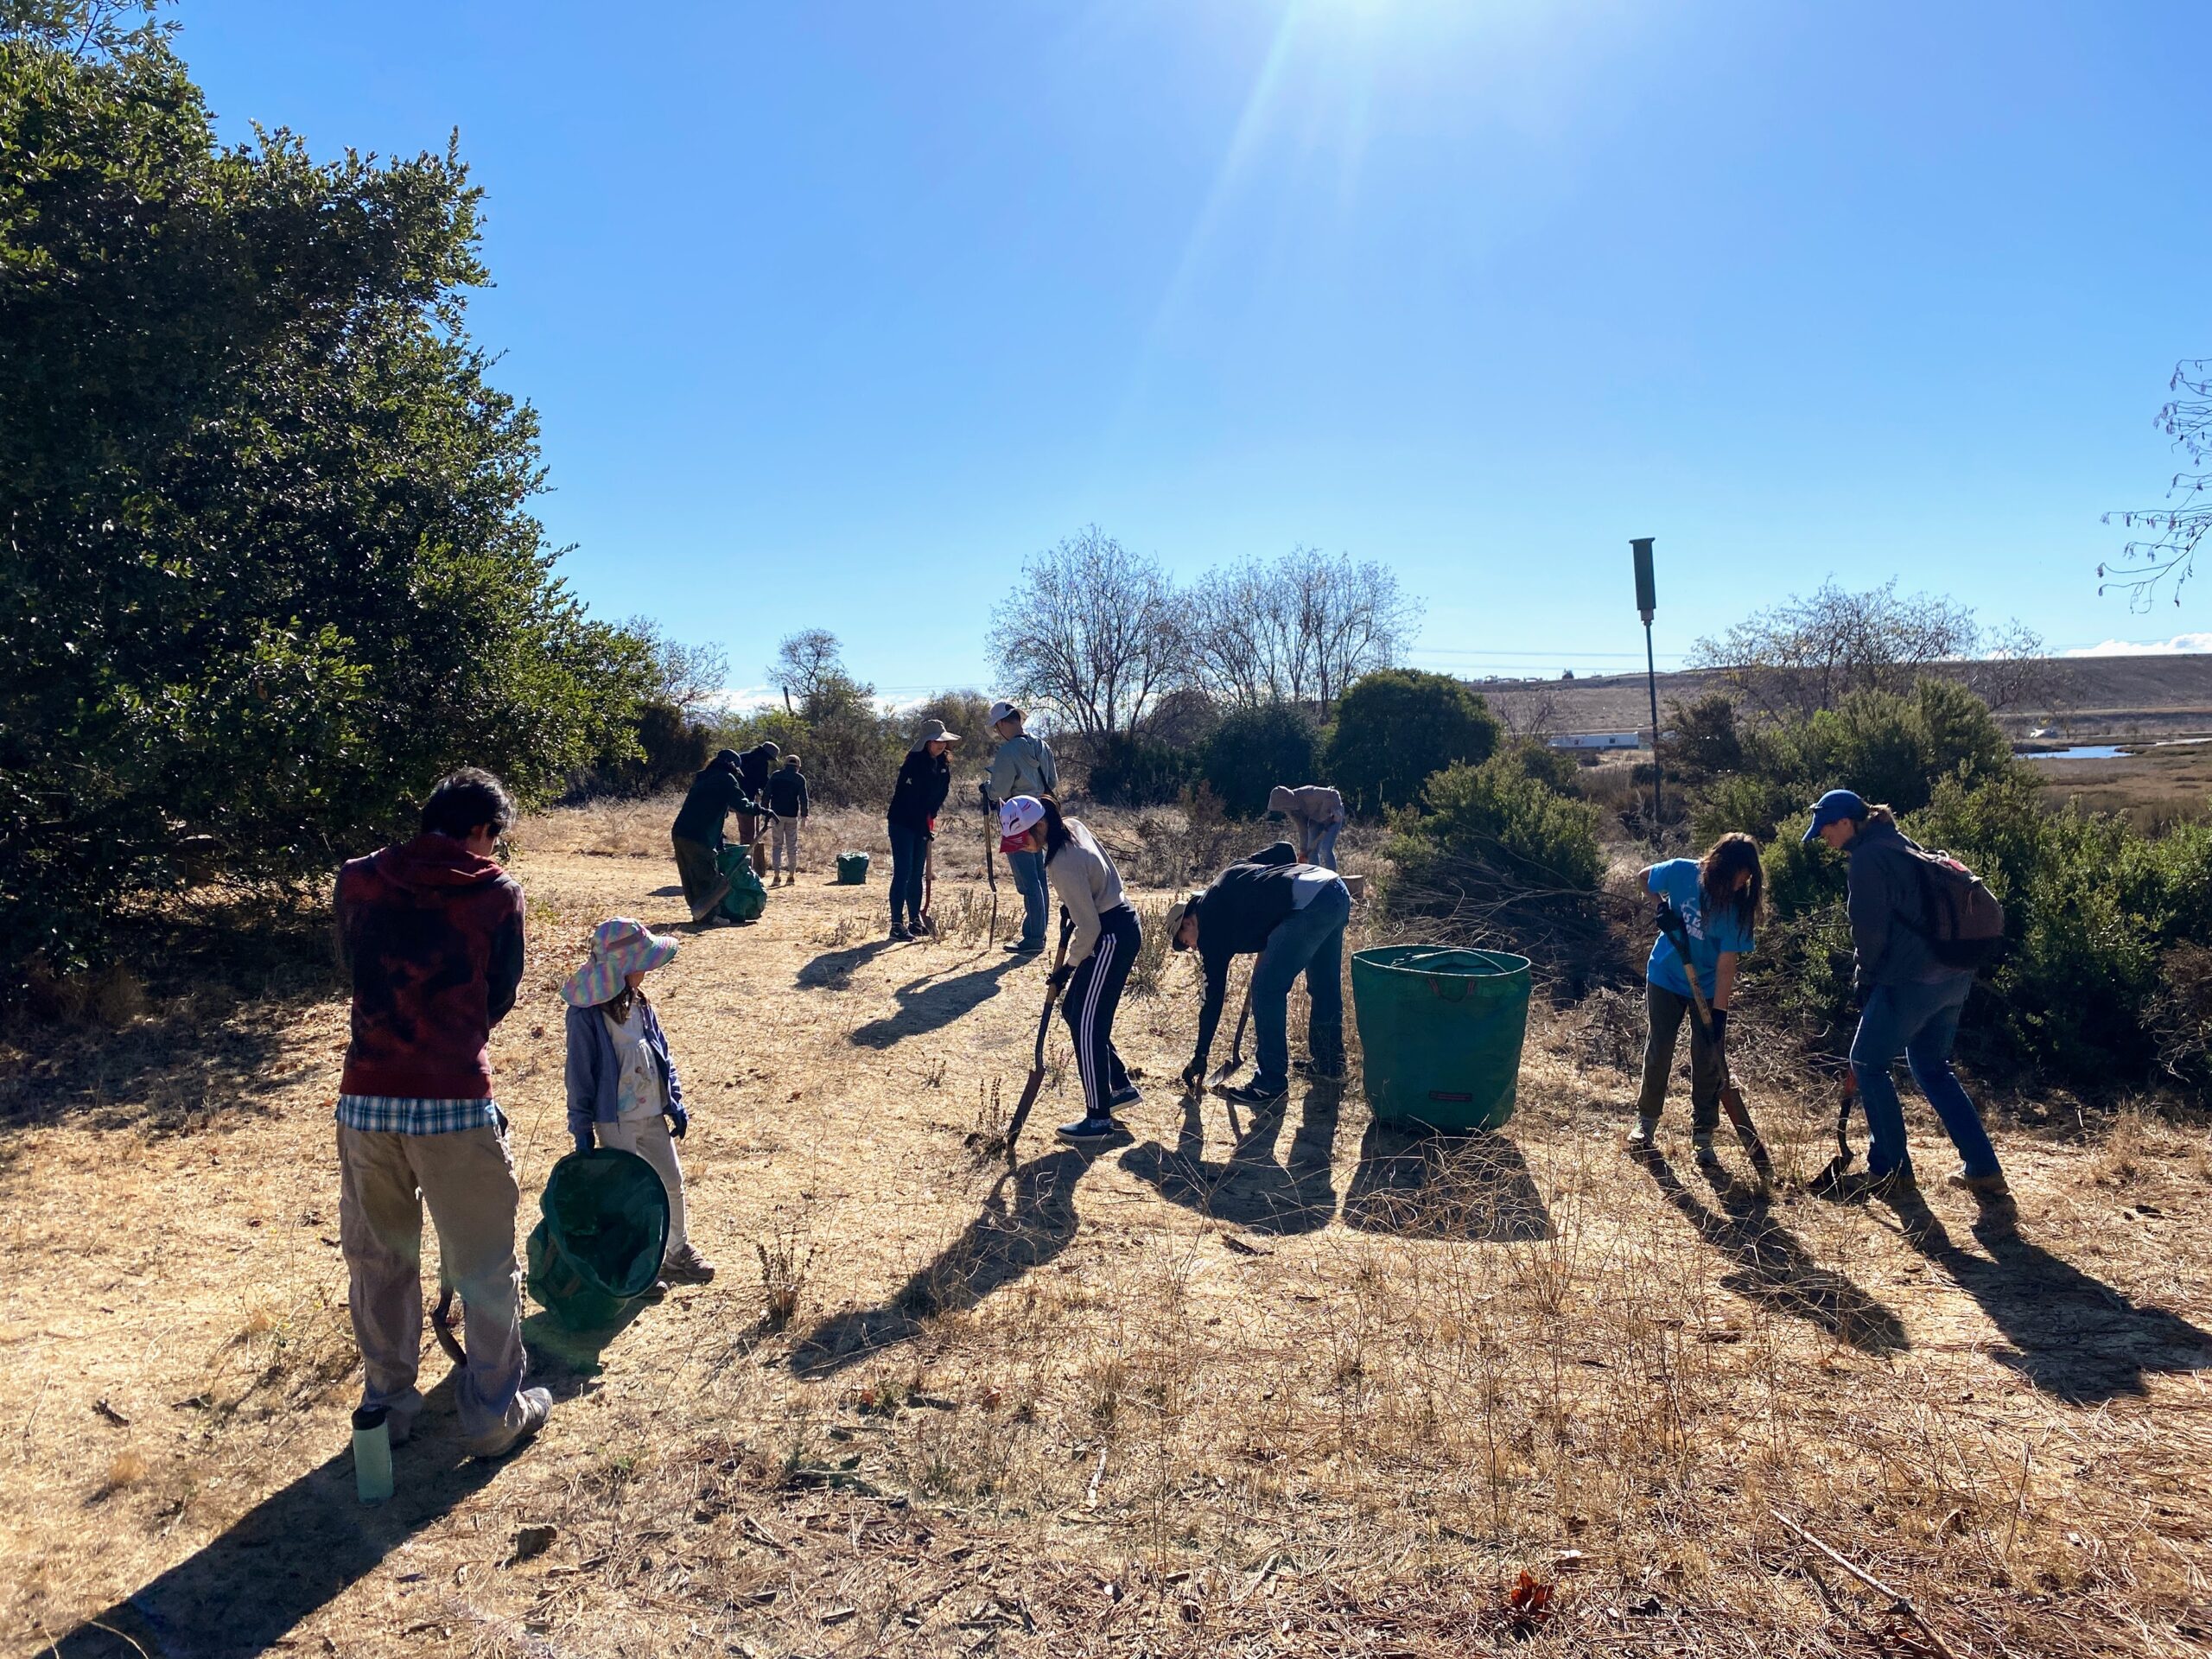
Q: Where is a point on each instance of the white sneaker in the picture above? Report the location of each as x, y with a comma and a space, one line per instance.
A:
1644, 1135
536, 1405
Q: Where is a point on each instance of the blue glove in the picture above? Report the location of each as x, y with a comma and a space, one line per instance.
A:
583, 1140
679, 1121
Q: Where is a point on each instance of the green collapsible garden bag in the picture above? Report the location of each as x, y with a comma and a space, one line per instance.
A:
852, 869
1440, 1033
600, 1245
746, 898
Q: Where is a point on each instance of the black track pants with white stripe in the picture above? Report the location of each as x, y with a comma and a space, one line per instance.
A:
1094, 994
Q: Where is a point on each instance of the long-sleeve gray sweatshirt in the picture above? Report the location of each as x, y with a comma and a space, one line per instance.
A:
1083, 878
1023, 765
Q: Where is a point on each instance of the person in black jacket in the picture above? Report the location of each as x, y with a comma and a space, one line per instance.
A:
754, 767
1293, 916
786, 798
698, 835
925, 778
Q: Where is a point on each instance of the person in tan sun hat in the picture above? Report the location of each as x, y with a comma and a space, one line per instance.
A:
623, 1090
924, 779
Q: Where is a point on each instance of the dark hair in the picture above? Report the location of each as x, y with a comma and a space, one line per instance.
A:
1056, 830
1727, 859
464, 799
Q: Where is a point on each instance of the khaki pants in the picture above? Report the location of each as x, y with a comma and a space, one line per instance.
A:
648, 1138
1667, 1010
704, 885
784, 834
470, 1183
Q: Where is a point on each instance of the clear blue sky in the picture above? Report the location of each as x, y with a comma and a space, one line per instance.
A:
835, 311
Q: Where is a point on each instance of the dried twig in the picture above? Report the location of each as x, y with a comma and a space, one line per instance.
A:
1901, 1602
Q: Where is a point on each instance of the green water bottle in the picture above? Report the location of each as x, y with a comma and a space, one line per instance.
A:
371, 1454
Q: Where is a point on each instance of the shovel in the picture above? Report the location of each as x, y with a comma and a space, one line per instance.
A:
1840, 1166
1220, 1074
1731, 1098
995, 1146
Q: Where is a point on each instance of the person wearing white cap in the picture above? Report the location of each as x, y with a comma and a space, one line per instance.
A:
623, 1090
1102, 947
924, 779
1022, 764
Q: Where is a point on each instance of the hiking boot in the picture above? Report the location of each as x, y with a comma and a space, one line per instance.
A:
1645, 1137
900, 935
1128, 1095
1088, 1131
1255, 1095
536, 1404
687, 1267
1701, 1149
1319, 1073
1993, 1192
1892, 1186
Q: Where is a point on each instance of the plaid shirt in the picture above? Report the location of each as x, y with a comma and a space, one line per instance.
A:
396, 1115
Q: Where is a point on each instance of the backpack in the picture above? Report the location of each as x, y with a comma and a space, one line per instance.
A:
1962, 921
746, 898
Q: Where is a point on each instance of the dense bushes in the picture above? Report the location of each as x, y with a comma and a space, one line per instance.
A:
1504, 816
1396, 728
1140, 772
1253, 750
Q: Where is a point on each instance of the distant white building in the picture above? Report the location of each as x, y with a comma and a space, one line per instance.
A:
1599, 741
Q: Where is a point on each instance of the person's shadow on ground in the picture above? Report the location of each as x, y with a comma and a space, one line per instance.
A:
1252, 1189
2070, 1335
1772, 1265
928, 1004
1015, 1233
294, 1552
1415, 1182
833, 970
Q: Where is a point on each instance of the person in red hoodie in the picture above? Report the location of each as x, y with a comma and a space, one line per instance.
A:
431, 933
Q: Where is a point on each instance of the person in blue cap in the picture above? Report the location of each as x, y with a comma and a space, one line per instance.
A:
1909, 1004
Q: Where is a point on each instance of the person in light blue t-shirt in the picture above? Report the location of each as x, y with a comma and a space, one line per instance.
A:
1717, 898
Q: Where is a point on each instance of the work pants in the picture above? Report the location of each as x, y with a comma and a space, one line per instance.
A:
784, 846
1920, 1021
1667, 1010
1312, 941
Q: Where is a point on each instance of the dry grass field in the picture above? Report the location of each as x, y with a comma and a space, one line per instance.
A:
1301, 1385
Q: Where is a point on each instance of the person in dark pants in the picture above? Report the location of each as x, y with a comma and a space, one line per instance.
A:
1717, 898
697, 834
1909, 1005
924, 779
1103, 941
1292, 915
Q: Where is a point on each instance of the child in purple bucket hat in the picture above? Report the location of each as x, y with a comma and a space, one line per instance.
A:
623, 1090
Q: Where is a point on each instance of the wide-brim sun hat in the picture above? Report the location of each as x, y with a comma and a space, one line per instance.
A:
1177, 912
619, 947
1002, 710
1019, 817
932, 732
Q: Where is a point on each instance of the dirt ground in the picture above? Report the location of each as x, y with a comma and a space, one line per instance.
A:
1303, 1385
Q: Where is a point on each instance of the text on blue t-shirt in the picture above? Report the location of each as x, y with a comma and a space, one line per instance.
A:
1676, 881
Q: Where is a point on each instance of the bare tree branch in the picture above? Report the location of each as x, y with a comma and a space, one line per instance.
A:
2167, 550
1092, 634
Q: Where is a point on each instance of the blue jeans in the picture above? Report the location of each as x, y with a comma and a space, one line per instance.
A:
1029, 880
1323, 849
1920, 1021
1312, 941
909, 849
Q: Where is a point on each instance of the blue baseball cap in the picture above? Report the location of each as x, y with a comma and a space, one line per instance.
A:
1833, 808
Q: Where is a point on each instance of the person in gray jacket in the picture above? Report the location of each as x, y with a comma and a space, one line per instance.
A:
1022, 764
1909, 1004
1316, 815
1102, 947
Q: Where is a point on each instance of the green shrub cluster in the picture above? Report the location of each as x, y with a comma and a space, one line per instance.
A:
1253, 750
1507, 817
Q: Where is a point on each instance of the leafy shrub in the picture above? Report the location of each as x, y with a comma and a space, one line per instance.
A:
1397, 727
1704, 739
1140, 772
1501, 815
1253, 750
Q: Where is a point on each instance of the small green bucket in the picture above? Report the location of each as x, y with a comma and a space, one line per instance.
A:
852, 869
1440, 1033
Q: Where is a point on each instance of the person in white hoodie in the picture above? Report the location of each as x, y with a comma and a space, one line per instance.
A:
1102, 949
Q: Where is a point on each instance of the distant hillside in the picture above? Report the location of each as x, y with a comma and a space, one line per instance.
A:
2105, 696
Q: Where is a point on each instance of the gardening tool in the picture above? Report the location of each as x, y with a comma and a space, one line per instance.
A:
990, 868
924, 923
1052, 984
1731, 1098
1220, 1074
1840, 1166
442, 1327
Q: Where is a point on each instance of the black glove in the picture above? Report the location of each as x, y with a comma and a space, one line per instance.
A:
1194, 1076
583, 1140
1719, 1026
679, 1121
1058, 979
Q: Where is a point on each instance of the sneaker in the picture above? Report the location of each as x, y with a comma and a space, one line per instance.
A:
1128, 1095
536, 1404
1644, 1135
1089, 1129
1255, 1095
1701, 1149
1019, 948
687, 1267
900, 935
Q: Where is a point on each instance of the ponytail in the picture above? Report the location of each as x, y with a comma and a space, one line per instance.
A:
1056, 828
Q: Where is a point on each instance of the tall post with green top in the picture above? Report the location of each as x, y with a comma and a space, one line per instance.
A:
1647, 601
